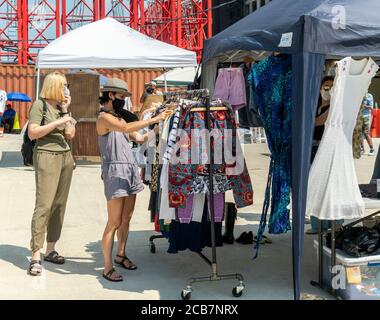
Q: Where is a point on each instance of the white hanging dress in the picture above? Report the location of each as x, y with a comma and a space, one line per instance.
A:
333, 190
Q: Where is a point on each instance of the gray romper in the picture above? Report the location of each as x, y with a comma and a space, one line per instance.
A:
120, 172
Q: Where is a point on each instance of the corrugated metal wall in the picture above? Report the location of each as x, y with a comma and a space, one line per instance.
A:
22, 78
18, 78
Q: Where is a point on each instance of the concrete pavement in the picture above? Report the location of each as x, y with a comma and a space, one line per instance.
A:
160, 275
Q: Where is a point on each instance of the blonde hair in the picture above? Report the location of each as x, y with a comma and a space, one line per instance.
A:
53, 87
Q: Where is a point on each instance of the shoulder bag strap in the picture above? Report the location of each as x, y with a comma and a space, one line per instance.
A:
44, 111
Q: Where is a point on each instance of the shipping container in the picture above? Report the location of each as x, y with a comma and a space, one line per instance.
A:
22, 79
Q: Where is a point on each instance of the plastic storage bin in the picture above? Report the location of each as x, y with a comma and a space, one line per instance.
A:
357, 278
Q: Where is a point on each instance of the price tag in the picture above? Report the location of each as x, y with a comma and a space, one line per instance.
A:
286, 40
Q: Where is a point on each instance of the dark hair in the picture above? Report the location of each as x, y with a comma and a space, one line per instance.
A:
128, 116
104, 98
149, 90
327, 78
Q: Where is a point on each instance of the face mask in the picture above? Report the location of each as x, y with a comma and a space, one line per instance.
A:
150, 90
118, 105
326, 96
66, 91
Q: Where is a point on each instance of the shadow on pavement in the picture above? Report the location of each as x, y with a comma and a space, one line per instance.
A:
15, 255
11, 159
250, 216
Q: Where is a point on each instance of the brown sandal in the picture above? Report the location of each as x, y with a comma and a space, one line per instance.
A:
132, 266
54, 257
109, 274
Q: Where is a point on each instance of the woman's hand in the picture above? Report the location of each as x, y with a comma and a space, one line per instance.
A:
36, 131
162, 117
66, 103
64, 121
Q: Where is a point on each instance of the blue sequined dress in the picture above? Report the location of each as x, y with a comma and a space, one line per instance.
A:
271, 79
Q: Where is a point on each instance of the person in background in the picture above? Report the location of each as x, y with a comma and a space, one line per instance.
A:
322, 113
53, 165
120, 172
320, 120
153, 84
150, 89
8, 118
369, 104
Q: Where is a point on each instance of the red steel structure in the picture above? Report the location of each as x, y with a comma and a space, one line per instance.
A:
26, 26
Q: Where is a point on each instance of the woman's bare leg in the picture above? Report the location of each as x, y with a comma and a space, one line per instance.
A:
115, 210
123, 230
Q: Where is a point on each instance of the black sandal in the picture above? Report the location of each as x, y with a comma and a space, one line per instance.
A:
132, 266
108, 276
54, 257
36, 265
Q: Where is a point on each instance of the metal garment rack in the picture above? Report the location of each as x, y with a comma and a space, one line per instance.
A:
186, 293
321, 233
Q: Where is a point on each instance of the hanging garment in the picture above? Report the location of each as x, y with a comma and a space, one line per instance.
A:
248, 115
333, 191
155, 174
166, 213
183, 174
193, 236
230, 87
272, 82
357, 139
194, 206
172, 139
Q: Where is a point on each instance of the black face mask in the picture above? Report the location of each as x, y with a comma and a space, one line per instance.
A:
118, 105
150, 90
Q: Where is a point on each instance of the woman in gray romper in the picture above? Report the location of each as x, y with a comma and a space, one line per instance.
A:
120, 171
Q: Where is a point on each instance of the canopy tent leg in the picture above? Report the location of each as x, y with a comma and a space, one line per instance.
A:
307, 76
38, 83
166, 82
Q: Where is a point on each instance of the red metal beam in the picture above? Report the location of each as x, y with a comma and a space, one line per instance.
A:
20, 30
180, 25
142, 16
183, 23
209, 18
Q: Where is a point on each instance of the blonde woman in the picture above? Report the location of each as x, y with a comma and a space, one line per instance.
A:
51, 126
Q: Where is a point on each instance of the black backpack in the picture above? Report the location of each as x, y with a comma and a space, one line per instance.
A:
28, 145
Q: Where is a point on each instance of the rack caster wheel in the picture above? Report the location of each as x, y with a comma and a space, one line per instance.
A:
152, 248
237, 291
186, 294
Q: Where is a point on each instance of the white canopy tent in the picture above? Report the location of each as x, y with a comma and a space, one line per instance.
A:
178, 76
109, 44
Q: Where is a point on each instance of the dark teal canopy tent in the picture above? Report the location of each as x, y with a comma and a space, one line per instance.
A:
310, 30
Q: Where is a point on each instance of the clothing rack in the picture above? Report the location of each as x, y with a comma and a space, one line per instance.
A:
186, 293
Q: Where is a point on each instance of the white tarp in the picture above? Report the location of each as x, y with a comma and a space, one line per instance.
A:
178, 76
108, 43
